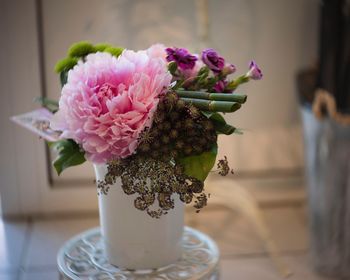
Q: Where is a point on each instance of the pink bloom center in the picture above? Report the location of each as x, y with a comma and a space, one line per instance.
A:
106, 92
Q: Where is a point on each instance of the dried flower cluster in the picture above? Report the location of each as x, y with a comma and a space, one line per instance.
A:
179, 129
223, 167
154, 182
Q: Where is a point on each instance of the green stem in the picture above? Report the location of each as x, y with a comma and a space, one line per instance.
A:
235, 83
232, 97
213, 105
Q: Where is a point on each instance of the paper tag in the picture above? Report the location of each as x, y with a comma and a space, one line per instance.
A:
38, 121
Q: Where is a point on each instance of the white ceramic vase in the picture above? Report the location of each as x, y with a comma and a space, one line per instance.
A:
133, 239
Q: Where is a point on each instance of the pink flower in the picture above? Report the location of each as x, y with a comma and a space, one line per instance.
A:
157, 50
107, 102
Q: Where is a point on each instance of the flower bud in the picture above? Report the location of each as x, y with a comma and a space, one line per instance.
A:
254, 71
228, 69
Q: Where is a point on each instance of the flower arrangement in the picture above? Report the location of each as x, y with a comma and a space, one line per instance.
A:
153, 116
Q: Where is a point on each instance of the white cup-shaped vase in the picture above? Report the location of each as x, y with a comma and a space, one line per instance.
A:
132, 239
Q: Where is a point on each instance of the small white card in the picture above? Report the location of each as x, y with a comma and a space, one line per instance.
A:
38, 121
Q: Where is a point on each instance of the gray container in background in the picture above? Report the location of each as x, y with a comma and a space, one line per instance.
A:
327, 158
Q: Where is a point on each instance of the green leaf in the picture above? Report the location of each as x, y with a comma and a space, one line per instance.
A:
101, 47
172, 67
65, 64
114, 51
199, 166
203, 71
220, 124
211, 81
51, 105
81, 49
68, 154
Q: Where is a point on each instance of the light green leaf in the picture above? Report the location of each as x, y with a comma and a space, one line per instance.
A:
101, 47
114, 51
66, 64
68, 154
80, 49
199, 166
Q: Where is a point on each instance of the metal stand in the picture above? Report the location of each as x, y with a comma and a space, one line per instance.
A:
82, 257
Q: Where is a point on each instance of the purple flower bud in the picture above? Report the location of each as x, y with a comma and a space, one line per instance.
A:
254, 71
182, 57
220, 86
212, 59
228, 69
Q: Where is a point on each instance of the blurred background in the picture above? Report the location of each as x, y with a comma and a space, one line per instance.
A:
269, 159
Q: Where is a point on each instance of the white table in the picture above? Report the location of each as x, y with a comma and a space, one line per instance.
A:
82, 257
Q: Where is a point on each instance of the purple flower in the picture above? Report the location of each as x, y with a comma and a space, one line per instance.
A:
212, 59
220, 86
254, 71
182, 57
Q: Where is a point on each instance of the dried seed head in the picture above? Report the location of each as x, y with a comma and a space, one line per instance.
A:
174, 153
146, 136
165, 139
187, 150
223, 166
144, 147
197, 149
155, 154
155, 144
160, 126
178, 125
194, 112
159, 116
173, 134
202, 141
165, 149
197, 186
189, 123
179, 144
180, 105
166, 125
140, 204
191, 132
201, 201
208, 125
186, 197
161, 105
173, 116
171, 99
165, 201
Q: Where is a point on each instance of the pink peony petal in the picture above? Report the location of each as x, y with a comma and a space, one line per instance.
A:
107, 101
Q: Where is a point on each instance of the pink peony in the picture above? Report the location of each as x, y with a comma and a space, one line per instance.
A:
157, 50
107, 102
